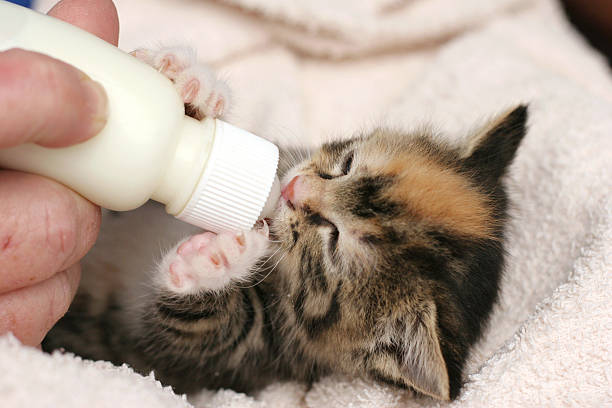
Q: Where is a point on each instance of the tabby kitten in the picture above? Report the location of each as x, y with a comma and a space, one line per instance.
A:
383, 261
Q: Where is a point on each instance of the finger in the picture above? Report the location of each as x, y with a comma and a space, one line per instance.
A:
45, 228
99, 17
29, 313
46, 101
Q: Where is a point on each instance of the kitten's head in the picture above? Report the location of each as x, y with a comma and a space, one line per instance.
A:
394, 243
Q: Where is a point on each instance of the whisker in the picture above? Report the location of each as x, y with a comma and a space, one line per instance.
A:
268, 274
261, 265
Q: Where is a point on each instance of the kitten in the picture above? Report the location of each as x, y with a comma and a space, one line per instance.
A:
383, 261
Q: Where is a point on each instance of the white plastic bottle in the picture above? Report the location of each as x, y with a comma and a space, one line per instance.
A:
208, 173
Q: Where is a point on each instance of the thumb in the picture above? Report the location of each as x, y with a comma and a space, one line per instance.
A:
46, 101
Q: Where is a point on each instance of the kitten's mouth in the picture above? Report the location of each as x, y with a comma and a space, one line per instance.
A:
288, 203
284, 200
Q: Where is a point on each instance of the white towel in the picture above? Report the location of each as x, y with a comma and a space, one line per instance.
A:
306, 71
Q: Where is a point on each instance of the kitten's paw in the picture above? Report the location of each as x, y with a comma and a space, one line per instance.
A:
211, 261
203, 94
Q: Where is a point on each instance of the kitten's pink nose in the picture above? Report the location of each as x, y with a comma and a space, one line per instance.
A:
288, 192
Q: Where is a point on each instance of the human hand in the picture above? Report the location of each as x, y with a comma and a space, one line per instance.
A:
46, 228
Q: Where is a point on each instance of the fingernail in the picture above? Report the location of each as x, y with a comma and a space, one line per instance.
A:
96, 103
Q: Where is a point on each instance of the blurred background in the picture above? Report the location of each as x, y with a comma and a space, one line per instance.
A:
593, 18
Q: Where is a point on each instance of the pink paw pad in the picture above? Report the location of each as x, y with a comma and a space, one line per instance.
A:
190, 90
219, 260
171, 61
167, 64
195, 244
213, 105
211, 261
178, 277
219, 107
240, 240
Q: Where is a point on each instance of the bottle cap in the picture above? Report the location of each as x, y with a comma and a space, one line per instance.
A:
239, 179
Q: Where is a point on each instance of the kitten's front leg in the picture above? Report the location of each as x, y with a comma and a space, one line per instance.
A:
209, 262
198, 324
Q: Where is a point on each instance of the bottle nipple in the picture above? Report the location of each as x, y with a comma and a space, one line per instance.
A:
272, 201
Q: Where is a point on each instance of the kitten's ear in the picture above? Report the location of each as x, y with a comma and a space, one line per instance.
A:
414, 359
492, 149
423, 364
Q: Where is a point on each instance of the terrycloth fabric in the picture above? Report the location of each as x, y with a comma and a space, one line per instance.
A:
305, 71
31, 378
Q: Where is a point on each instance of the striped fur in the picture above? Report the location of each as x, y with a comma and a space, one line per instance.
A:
387, 268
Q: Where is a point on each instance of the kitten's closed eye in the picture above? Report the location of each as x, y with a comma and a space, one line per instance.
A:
348, 163
346, 168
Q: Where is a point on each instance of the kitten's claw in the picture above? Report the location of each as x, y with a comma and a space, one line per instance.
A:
262, 227
170, 61
211, 261
143, 55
